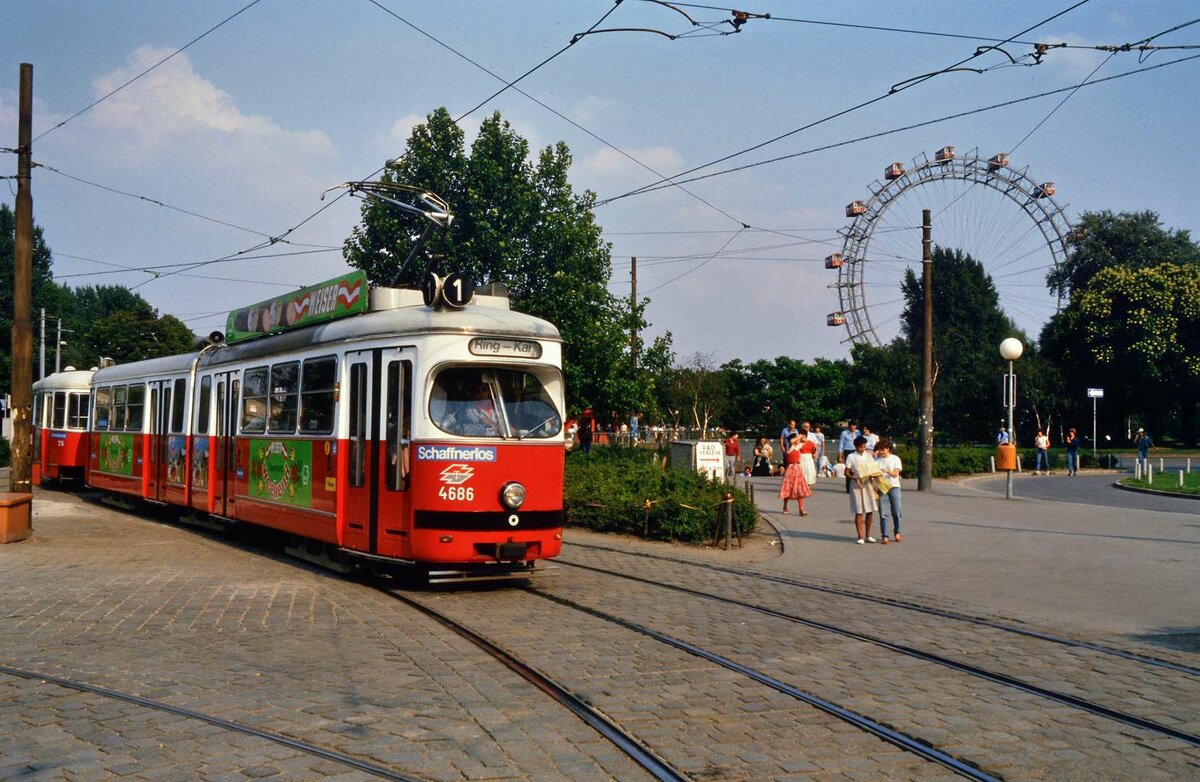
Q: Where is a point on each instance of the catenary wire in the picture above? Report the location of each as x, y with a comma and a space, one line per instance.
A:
894, 91
914, 126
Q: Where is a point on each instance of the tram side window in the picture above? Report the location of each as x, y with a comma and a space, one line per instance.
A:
254, 400
180, 406
285, 397
137, 404
202, 408
104, 399
77, 411
39, 405
116, 422
316, 395
399, 424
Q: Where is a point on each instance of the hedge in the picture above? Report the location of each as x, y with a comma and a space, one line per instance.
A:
606, 490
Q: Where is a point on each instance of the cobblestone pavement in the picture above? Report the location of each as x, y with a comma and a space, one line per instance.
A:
170, 614
225, 629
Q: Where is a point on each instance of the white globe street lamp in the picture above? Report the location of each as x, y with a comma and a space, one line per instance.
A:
1011, 350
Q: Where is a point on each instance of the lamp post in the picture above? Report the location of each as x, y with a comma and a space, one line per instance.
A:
1010, 351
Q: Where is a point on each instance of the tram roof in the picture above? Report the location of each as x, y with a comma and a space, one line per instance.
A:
73, 380
396, 313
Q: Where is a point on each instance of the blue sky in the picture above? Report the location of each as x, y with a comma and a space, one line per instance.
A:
251, 123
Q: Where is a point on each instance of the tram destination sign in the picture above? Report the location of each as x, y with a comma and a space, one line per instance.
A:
508, 348
337, 298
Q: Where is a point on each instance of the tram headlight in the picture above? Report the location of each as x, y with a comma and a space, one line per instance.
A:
513, 495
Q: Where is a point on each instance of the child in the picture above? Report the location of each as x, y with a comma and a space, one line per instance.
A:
890, 466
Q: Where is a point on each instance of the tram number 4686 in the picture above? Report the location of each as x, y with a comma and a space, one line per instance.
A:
457, 493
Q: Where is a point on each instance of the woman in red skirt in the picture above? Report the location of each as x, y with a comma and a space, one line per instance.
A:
794, 487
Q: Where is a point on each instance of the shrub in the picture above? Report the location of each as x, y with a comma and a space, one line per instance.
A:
607, 490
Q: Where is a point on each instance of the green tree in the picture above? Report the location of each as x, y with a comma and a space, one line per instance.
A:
44, 291
765, 394
887, 379
968, 326
1124, 248
519, 223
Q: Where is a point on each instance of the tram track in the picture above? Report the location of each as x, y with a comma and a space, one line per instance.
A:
905, 605
623, 740
315, 750
1097, 709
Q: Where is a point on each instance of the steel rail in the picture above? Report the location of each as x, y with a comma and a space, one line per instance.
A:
910, 606
982, 673
277, 738
624, 741
890, 735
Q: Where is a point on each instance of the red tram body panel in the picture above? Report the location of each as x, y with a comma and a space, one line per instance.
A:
60, 425
398, 432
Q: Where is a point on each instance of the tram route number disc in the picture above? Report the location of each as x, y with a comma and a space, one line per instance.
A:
431, 288
457, 290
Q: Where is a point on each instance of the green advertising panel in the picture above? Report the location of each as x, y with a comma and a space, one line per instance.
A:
337, 298
116, 454
281, 471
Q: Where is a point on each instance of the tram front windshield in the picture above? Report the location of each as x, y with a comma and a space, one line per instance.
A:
493, 402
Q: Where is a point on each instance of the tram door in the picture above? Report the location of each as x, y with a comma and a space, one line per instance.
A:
158, 419
361, 486
224, 447
377, 459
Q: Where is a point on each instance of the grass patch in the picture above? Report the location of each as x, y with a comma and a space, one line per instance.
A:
1168, 481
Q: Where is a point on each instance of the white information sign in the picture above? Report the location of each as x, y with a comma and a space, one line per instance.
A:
1095, 393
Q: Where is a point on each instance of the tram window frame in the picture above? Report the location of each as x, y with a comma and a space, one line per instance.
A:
254, 391
136, 410
58, 417
357, 433
179, 402
117, 421
202, 409
39, 404
77, 410
318, 380
102, 408
399, 398
285, 398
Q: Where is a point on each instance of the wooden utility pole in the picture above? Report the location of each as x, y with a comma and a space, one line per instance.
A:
633, 329
22, 330
925, 467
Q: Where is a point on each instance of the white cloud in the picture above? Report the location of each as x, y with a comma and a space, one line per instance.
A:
593, 110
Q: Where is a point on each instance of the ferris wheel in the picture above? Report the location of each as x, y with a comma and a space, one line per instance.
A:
997, 214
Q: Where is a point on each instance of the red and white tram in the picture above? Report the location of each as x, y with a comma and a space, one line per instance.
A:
60, 425
398, 432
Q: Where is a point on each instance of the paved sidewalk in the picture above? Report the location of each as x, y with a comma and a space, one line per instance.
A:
1093, 570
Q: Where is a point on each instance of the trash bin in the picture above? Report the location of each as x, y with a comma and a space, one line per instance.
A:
16, 511
1006, 456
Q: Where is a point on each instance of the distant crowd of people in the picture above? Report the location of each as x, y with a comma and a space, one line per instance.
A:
863, 459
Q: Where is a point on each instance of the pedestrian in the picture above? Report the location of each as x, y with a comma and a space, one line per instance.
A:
633, 428
1002, 436
794, 486
1144, 444
733, 451
587, 428
889, 501
872, 438
1072, 452
822, 459
762, 457
785, 438
808, 462
860, 468
1042, 444
846, 446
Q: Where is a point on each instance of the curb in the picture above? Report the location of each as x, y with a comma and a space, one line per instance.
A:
1156, 492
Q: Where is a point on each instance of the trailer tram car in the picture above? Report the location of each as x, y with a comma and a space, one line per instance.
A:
60, 426
397, 432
